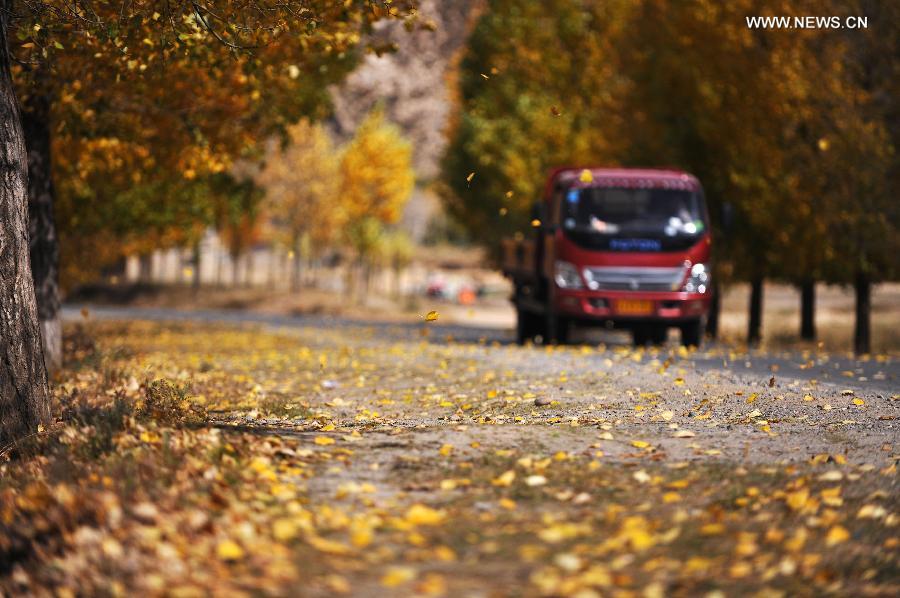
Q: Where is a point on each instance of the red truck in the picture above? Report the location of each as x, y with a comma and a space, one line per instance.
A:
616, 247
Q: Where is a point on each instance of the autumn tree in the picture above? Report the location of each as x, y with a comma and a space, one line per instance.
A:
125, 44
302, 185
376, 181
538, 87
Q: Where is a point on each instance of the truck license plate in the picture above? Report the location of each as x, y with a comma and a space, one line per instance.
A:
634, 307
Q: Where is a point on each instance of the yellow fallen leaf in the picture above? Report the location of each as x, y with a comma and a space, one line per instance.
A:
639, 444
836, 535
361, 536
396, 576
507, 504
433, 584
228, 550
712, 529
859, 402
871, 512
419, 514
504, 479
797, 500
431, 316
535, 480
323, 440
284, 529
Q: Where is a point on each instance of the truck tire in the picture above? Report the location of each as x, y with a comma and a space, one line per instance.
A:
556, 330
526, 326
639, 336
692, 333
658, 334
649, 334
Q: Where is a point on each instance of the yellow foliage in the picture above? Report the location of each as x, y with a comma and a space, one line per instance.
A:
376, 172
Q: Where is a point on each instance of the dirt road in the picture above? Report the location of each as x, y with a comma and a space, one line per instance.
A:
444, 460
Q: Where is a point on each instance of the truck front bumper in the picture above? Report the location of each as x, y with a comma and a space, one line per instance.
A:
636, 306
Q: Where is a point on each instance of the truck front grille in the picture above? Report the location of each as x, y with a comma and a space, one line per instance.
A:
634, 279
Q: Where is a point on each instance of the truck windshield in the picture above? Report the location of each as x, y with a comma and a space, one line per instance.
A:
621, 219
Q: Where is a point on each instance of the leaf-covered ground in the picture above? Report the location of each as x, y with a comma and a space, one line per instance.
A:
191, 459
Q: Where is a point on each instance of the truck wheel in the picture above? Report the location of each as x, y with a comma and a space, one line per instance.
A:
526, 326
640, 336
556, 330
692, 333
658, 335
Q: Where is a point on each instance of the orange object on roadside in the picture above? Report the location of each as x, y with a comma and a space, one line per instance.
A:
466, 297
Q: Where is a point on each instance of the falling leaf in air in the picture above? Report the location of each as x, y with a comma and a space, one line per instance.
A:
535, 223
586, 176
431, 316
555, 111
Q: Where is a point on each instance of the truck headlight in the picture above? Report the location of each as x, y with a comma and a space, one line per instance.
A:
698, 281
567, 276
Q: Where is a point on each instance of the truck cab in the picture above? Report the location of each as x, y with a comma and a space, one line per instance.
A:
614, 247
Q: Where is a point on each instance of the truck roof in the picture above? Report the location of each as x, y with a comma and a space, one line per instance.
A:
625, 177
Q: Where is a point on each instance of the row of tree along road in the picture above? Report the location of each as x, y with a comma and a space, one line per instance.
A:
145, 108
797, 131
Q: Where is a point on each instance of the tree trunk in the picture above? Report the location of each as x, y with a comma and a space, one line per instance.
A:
715, 307
145, 268
195, 280
296, 269
754, 324
24, 392
862, 337
44, 245
808, 310
235, 270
